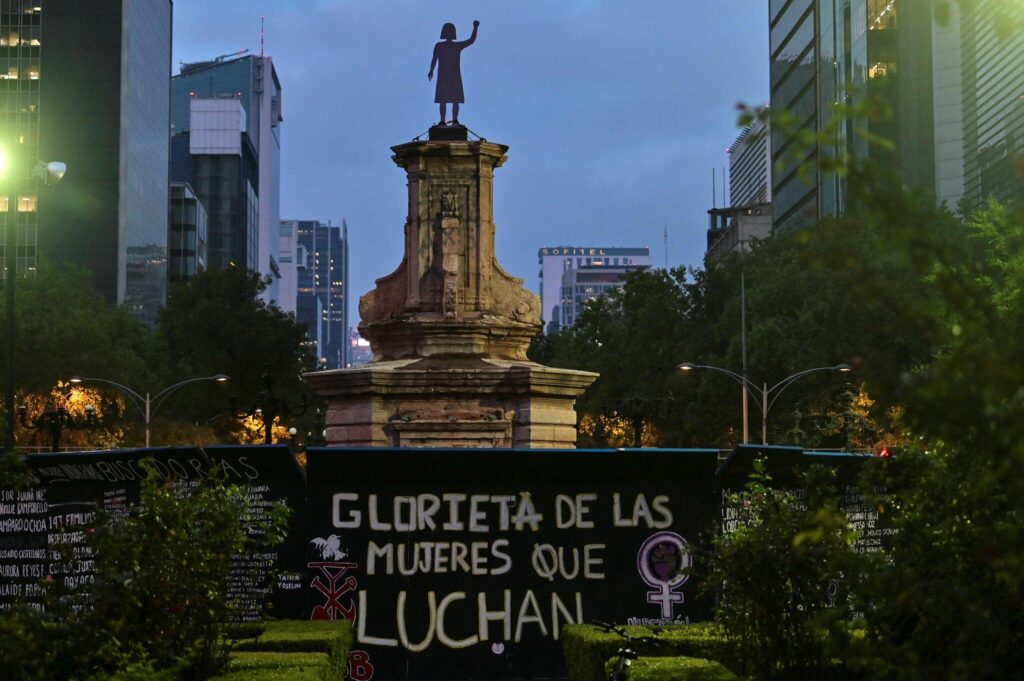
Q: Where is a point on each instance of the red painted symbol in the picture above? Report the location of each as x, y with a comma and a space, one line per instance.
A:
333, 587
359, 667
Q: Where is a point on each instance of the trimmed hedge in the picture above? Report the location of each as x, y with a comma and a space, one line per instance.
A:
673, 669
300, 636
276, 667
588, 647
293, 649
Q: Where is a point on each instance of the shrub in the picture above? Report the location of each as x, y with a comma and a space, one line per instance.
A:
158, 605
779, 577
588, 647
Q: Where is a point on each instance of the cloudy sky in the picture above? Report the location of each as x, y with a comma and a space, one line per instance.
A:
615, 111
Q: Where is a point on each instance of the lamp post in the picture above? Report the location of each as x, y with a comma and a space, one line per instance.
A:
148, 404
11, 181
768, 395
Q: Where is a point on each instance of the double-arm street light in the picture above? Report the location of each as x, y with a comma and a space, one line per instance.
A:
147, 404
12, 181
768, 395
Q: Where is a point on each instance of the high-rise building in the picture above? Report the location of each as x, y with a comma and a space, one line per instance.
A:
253, 82
584, 283
217, 158
88, 84
554, 262
979, 101
750, 168
749, 216
731, 230
321, 258
187, 233
825, 53
287, 251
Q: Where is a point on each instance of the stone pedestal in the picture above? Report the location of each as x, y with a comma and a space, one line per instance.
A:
449, 328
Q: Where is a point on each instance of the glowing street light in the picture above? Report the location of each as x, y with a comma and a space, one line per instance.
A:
768, 395
146, 404
49, 173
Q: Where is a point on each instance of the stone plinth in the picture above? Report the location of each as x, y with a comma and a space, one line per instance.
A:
450, 328
451, 403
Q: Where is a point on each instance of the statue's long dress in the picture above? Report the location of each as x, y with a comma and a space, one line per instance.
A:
449, 73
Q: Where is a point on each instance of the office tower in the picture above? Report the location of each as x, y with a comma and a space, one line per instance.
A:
584, 283
287, 250
321, 259
217, 158
749, 215
554, 262
826, 53
88, 84
253, 82
979, 101
750, 180
187, 233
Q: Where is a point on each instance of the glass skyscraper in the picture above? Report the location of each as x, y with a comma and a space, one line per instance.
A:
321, 260
186, 238
253, 82
826, 53
89, 84
20, 58
992, 71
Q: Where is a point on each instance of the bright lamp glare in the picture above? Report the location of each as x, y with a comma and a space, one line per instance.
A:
3, 161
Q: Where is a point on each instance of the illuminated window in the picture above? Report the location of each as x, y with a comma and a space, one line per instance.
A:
12, 73
878, 70
3, 204
881, 14
26, 204
33, 72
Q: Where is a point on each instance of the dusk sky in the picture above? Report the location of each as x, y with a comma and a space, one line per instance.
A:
615, 112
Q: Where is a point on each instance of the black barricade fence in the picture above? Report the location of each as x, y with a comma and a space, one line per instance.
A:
44, 525
271, 576
452, 563
784, 465
468, 564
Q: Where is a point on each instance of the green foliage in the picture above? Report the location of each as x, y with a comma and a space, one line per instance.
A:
288, 636
949, 603
778, 576
269, 666
587, 647
946, 600
814, 298
672, 669
64, 329
216, 323
295, 649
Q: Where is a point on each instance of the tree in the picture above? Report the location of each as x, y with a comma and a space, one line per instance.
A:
216, 323
816, 297
948, 603
64, 329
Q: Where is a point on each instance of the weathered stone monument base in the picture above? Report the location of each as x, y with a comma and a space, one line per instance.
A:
449, 328
451, 403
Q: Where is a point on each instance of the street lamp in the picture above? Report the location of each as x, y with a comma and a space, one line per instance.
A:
146, 404
49, 173
768, 395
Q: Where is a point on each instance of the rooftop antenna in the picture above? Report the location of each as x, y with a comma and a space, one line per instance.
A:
262, 20
665, 236
714, 191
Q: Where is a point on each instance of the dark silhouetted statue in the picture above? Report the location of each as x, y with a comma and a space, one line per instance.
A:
447, 55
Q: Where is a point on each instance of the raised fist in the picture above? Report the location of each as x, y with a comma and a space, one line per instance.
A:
475, 23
